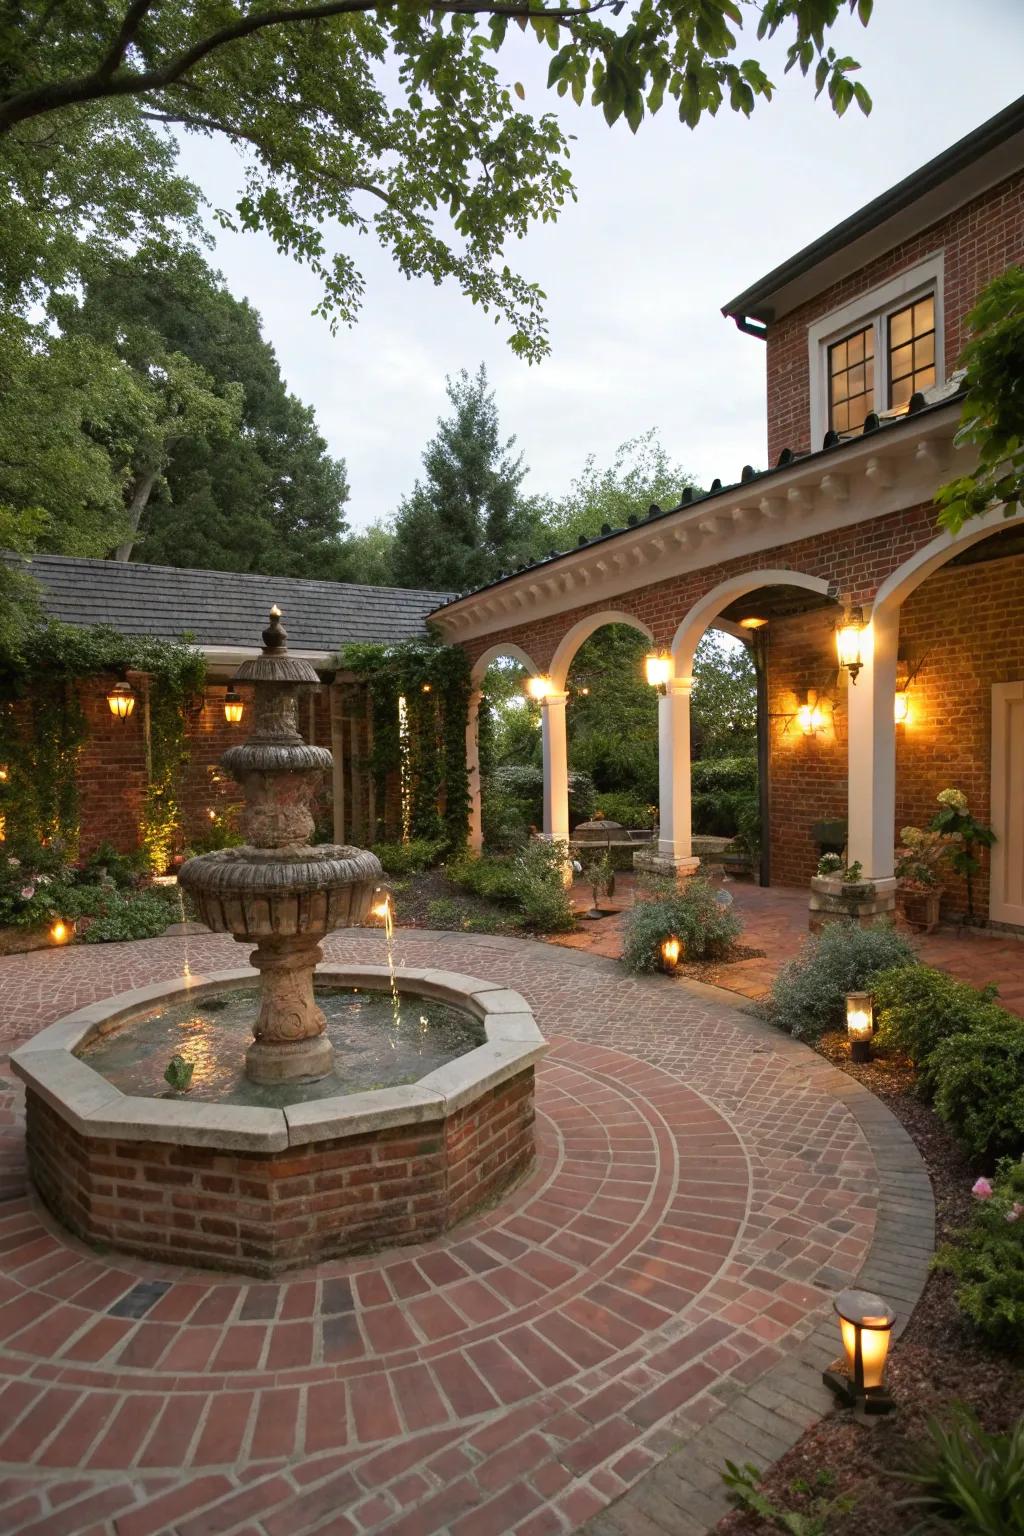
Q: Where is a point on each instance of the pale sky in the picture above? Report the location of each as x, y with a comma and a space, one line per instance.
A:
670, 224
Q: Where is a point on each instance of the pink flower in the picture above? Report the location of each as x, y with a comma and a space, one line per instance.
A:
27, 892
13, 862
1015, 1212
981, 1190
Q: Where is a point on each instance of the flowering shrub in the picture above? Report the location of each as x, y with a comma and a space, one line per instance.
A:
706, 927
31, 886
956, 822
987, 1258
920, 857
830, 864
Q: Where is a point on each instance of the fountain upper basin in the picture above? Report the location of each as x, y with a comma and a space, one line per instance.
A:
265, 1189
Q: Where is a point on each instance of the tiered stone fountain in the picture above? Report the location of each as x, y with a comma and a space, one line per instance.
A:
285, 1159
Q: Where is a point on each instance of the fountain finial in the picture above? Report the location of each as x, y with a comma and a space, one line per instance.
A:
275, 636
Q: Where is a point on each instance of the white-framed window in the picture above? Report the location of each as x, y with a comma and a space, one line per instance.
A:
875, 352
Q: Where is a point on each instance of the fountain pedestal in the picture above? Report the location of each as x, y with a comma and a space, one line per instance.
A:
277, 888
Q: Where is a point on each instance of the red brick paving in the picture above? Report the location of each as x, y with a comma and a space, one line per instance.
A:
694, 1203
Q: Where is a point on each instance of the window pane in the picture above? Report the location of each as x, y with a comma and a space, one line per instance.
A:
901, 328
925, 379
901, 392
840, 418
856, 378
839, 356
855, 348
924, 315
902, 363
851, 380
869, 372
858, 409
924, 352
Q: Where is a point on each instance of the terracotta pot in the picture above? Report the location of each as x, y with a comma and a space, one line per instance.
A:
919, 908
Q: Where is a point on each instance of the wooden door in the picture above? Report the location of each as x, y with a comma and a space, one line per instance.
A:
1006, 902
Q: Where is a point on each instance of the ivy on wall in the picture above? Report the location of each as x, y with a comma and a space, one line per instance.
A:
43, 728
429, 752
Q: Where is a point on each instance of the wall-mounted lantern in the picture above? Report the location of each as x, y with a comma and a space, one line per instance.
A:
860, 1024
121, 700
538, 688
901, 712
810, 716
658, 669
865, 1324
234, 707
849, 641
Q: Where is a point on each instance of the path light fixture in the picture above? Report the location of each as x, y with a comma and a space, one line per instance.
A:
60, 932
4, 773
234, 707
538, 687
849, 641
121, 700
671, 953
860, 1024
658, 669
865, 1324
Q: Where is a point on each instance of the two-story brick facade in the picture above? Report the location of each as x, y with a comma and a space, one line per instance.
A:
862, 331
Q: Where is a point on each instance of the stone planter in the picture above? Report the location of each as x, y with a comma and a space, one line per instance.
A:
833, 898
919, 908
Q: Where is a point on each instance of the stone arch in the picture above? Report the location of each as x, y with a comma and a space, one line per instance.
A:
495, 653
701, 616
582, 630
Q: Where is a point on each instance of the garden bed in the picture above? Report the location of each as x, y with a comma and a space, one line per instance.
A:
937, 1361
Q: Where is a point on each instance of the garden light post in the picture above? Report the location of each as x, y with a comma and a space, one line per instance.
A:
860, 1024
865, 1325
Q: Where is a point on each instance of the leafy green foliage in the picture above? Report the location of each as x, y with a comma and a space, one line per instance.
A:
434, 157
723, 704
966, 1478
612, 728
462, 917
639, 474
411, 858
143, 915
627, 810
465, 521
992, 421
744, 1485
38, 885
987, 1259
178, 1073
531, 881
917, 1008
808, 996
966, 834
979, 1085
707, 928
513, 803
724, 797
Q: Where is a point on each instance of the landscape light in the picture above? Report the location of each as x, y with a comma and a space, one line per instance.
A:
60, 932
865, 1324
860, 1024
671, 950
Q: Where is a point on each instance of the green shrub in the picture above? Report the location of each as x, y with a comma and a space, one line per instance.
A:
531, 881
141, 916
627, 810
449, 913
490, 877
105, 863
916, 1008
987, 1259
410, 858
524, 784
724, 799
967, 1479
979, 1085
809, 994
506, 819
707, 928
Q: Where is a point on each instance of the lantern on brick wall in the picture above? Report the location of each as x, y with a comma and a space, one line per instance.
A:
901, 710
810, 716
849, 640
865, 1324
233, 707
121, 700
658, 668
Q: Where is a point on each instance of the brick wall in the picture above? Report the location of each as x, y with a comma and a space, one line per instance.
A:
264, 1213
978, 241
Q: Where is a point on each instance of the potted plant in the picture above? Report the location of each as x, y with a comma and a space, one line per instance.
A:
919, 886
956, 821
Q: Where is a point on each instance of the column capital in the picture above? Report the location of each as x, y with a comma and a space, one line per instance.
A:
679, 686
553, 700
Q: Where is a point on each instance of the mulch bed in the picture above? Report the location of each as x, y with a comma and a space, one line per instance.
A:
938, 1360
713, 971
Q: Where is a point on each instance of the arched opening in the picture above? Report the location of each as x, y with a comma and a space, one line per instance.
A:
953, 618
503, 750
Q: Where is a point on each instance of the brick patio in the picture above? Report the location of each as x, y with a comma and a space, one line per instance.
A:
661, 1279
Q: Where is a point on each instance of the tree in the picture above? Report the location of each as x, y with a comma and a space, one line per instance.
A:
431, 153
367, 554
640, 474
466, 520
239, 478
992, 421
723, 703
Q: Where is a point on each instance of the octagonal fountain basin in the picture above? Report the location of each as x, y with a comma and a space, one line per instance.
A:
428, 1115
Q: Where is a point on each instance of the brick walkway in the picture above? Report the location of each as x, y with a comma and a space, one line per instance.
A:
775, 920
702, 1187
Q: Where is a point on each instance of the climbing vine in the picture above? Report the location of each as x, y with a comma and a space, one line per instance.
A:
428, 751
43, 728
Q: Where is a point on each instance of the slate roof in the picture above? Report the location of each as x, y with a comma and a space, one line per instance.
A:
222, 608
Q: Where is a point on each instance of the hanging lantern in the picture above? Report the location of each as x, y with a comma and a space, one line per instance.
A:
671, 951
234, 707
809, 716
539, 687
658, 669
121, 700
860, 1024
865, 1324
849, 639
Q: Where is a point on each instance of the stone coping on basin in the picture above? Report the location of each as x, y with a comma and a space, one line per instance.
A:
96, 1108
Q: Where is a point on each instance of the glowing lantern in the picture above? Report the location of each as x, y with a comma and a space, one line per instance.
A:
671, 950
865, 1324
848, 642
60, 932
426, 688
233, 707
538, 688
4, 773
810, 716
753, 622
902, 707
382, 906
121, 700
658, 669
860, 1024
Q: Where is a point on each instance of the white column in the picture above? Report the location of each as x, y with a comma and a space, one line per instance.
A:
476, 830
871, 787
556, 768
674, 842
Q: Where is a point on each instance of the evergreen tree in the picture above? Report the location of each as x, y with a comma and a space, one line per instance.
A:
466, 520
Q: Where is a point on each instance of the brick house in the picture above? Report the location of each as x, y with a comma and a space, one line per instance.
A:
862, 331
223, 614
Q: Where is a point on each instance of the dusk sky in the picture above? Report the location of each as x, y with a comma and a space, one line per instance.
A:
670, 224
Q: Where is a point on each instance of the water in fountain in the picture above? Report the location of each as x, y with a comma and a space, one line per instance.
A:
383, 909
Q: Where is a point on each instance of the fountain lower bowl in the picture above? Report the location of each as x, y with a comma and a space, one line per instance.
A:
260, 1189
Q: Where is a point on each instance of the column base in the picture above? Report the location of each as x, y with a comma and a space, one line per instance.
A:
654, 869
864, 903
289, 1061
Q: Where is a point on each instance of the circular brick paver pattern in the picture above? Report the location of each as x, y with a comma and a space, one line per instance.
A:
698, 1195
